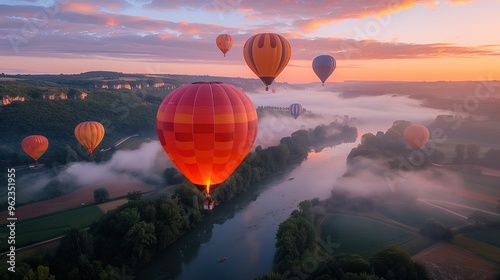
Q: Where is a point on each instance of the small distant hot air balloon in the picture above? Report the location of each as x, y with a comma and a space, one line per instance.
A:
35, 146
323, 66
273, 90
207, 129
89, 134
296, 110
267, 54
416, 136
224, 43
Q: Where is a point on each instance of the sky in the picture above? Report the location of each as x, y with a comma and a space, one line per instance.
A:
401, 40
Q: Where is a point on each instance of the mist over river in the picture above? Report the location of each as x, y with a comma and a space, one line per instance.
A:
244, 228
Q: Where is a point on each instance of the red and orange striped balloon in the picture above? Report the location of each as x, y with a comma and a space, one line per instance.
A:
89, 134
35, 146
267, 54
207, 129
224, 43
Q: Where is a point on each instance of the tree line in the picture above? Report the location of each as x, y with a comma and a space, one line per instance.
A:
300, 255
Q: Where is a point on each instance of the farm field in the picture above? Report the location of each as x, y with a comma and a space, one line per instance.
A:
480, 248
446, 261
418, 244
41, 228
359, 235
76, 198
482, 183
417, 214
490, 236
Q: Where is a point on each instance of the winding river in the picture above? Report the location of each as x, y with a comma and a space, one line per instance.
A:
244, 229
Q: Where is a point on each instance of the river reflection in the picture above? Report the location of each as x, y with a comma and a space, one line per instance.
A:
244, 228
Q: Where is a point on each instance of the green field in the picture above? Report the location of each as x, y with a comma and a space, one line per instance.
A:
416, 215
41, 228
418, 244
359, 235
480, 248
489, 236
482, 183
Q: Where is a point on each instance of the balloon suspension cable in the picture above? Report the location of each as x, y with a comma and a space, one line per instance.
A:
323, 84
224, 55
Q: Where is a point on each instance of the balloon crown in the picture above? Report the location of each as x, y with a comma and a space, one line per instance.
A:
207, 82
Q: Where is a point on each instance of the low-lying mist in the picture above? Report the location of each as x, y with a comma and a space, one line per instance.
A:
145, 165
373, 113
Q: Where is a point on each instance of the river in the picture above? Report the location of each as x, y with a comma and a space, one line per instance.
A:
244, 228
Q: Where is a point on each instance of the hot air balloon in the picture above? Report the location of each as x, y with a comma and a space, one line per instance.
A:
89, 134
273, 90
224, 43
207, 129
296, 110
35, 146
323, 66
267, 54
416, 136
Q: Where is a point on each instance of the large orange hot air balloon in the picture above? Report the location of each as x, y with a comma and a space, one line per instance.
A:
416, 136
35, 146
224, 42
207, 129
267, 54
89, 134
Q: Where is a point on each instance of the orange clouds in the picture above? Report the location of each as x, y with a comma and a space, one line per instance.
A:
111, 22
78, 7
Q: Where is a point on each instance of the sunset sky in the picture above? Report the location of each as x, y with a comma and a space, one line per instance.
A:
412, 40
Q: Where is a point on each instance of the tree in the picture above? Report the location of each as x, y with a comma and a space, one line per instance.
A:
42, 273
362, 276
398, 127
435, 229
460, 151
472, 152
73, 93
135, 195
101, 195
393, 261
76, 242
169, 175
269, 276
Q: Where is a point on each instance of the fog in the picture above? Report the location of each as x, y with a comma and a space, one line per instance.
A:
145, 164
372, 178
373, 113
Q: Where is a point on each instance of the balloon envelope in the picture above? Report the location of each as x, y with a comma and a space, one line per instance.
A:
207, 129
295, 110
89, 134
224, 43
416, 136
35, 146
323, 66
267, 54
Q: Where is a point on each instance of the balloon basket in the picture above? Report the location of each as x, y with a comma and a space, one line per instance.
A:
208, 205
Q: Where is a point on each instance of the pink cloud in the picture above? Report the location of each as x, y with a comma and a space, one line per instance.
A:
89, 6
